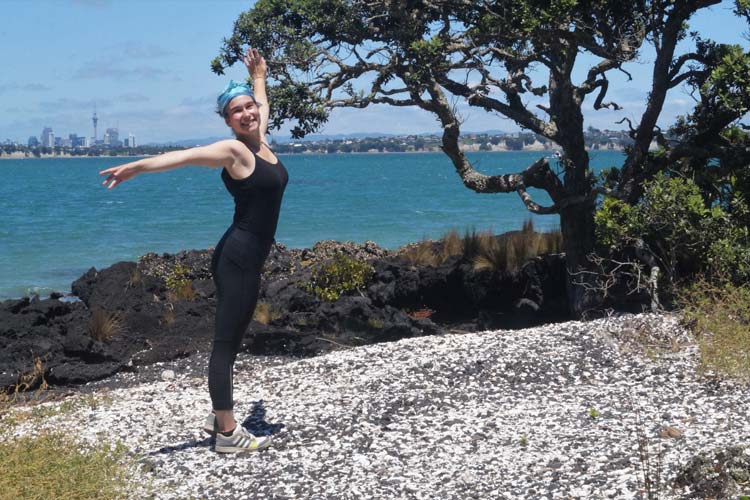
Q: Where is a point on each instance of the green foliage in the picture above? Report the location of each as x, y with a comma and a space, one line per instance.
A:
681, 232
615, 222
720, 316
342, 274
178, 277
594, 413
179, 284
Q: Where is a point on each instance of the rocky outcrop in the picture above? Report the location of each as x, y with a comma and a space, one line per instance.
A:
51, 338
162, 308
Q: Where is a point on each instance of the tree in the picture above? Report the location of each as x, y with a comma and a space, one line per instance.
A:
493, 55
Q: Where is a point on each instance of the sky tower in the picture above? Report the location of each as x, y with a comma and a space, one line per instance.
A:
95, 120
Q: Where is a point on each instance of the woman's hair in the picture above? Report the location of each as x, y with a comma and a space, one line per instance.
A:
232, 90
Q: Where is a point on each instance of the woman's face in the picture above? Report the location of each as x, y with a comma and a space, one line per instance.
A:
242, 115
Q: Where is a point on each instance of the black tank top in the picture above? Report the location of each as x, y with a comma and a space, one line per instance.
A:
257, 198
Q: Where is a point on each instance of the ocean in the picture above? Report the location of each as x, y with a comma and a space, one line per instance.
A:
58, 221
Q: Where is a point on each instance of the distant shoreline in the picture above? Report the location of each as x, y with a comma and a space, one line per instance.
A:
21, 156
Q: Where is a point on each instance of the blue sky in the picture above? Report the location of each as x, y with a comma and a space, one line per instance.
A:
146, 66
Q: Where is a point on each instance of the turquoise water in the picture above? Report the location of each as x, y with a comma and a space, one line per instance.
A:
57, 220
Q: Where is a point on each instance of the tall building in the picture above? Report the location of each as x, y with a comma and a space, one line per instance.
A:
112, 138
33, 142
78, 142
95, 120
48, 138
130, 141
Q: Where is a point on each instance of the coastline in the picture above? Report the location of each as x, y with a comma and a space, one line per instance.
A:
530, 149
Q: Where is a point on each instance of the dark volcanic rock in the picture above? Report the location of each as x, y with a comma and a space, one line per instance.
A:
718, 474
458, 293
52, 335
149, 323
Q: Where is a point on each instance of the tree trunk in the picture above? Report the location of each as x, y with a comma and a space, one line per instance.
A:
577, 226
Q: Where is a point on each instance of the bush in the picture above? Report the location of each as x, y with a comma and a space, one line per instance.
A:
178, 277
334, 278
720, 317
179, 284
684, 236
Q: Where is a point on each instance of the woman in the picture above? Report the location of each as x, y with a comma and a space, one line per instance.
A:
256, 179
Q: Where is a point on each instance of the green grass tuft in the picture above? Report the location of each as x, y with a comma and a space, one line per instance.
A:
720, 317
52, 465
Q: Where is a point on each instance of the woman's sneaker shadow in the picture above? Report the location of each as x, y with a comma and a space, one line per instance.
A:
255, 423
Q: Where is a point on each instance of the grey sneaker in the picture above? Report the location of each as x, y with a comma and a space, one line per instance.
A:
240, 441
210, 425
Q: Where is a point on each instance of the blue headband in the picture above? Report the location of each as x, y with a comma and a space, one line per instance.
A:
232, 90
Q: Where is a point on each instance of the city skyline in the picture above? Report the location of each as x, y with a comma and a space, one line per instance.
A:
49, 139
158, 83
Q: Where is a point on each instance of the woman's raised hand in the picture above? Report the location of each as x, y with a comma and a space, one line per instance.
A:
255, 63
118, 175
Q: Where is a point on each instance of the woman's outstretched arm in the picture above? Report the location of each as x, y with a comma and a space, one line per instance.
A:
231, 154
256, 66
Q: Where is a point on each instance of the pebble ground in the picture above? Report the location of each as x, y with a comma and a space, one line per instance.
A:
555, 412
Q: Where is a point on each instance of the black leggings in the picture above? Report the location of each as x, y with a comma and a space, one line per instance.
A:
236, 266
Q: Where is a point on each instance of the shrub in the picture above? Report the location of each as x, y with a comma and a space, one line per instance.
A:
103, 325
720, 317
185, 292
334, 278
179, 284
178, 277
678, 230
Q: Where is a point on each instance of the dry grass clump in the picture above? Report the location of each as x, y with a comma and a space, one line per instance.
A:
104, 325
265, 313
53, 465
135, 279
451, 244
507, 252
183, 292
34, 378
510, 251
421, 254
720, 317
168, 318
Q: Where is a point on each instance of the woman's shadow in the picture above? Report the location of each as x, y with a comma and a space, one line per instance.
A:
255, 422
